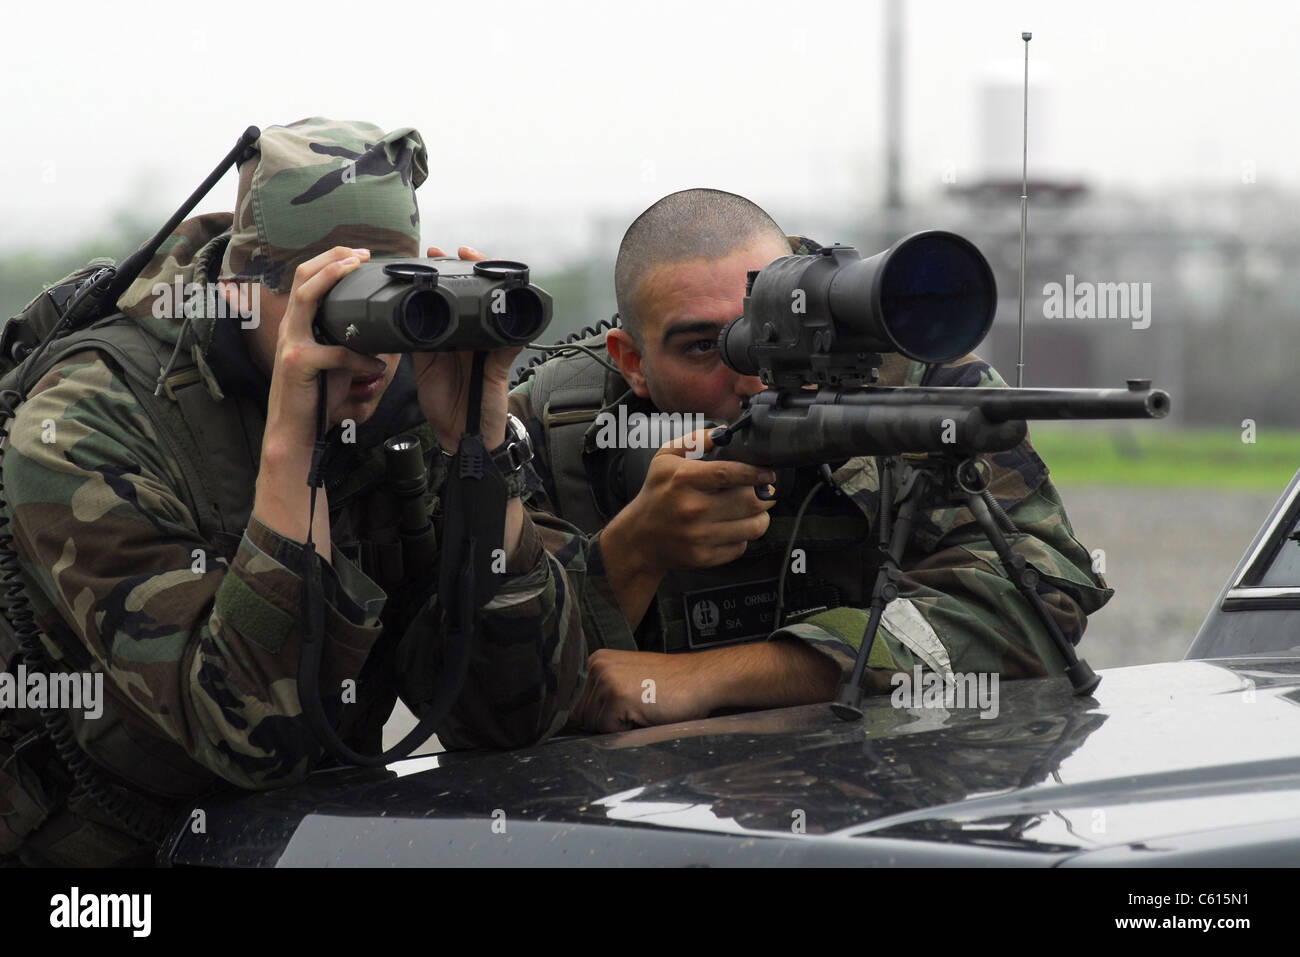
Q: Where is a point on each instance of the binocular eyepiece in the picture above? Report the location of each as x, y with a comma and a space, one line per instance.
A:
824, 319
433, 305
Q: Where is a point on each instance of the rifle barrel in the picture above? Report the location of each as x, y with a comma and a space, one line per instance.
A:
831, 425
1139, 401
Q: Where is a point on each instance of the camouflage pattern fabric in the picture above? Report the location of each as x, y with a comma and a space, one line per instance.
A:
203, 656
956, 612
308, 187
176, 259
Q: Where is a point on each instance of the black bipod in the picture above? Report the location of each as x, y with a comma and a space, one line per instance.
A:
902, 486
974, 486
905, 483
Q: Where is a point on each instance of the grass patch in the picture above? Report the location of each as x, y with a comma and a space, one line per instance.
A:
1152, 454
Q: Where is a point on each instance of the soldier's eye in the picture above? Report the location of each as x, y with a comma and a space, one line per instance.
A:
701, 347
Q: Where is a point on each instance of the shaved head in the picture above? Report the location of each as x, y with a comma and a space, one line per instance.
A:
694, 224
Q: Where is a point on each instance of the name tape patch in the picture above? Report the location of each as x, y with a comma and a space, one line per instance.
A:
734, 613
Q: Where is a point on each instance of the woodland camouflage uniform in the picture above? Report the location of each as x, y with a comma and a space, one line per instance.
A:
192, 612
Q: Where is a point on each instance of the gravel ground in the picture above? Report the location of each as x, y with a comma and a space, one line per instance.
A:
1168, 553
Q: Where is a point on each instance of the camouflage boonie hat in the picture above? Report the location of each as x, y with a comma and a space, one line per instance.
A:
318, 183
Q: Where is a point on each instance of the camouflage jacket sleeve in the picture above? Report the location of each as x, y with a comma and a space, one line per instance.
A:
957, 611
203, 652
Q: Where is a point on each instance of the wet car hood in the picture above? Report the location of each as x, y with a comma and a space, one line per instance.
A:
1190, 762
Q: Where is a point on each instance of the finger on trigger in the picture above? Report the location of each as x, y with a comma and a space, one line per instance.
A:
734, 503
725, 475
694, 444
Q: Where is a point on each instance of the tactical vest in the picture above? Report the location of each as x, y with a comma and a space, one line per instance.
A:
568, 394
833, 565
216, 445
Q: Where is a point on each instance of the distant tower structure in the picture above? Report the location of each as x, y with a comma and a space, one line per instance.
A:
1054, 352
893, 62
1000, 115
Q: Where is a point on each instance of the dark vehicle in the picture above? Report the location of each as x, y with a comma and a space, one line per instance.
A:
1194, 762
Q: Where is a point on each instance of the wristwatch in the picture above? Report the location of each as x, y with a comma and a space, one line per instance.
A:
512, 455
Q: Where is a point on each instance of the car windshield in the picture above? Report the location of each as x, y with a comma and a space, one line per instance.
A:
1283, 568
1258, 612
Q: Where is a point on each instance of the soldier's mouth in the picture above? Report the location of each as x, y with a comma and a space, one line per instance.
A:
365, 387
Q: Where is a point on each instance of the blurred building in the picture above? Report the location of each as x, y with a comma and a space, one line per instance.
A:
1214, 268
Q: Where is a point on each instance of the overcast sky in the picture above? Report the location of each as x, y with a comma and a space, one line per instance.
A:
569, 110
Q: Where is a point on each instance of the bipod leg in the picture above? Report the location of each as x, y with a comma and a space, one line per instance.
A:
848, 701
1025, 577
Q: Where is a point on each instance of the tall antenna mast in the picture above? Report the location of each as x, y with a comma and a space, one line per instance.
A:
1024, 213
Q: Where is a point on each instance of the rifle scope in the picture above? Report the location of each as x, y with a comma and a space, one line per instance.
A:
825, 318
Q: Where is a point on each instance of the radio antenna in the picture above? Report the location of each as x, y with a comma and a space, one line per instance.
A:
1024, 213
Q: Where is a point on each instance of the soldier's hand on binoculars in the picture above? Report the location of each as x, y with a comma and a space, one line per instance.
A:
692, 513
468, 253
299, 358
443, 382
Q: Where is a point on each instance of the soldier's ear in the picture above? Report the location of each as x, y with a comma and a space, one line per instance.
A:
626, 354
258, 312
243, 299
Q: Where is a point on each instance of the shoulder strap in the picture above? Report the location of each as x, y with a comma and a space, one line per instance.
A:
207, 438
568, 393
